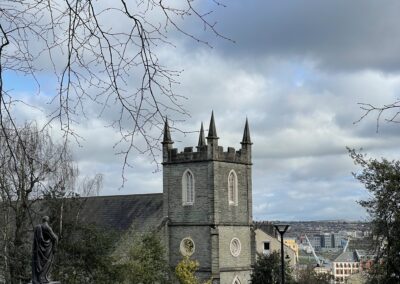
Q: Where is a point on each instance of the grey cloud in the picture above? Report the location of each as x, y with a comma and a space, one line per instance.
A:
337, 35
139, 179
301, 117
310, 201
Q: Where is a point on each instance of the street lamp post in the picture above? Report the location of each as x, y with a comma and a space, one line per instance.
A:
282, 228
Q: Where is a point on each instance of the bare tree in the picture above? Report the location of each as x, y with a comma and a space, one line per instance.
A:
31, 166
101, 52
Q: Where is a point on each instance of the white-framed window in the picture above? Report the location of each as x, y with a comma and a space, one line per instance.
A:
188, 188
236, 280
235, 247
232, 188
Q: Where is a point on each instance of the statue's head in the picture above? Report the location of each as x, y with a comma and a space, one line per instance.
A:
45, 219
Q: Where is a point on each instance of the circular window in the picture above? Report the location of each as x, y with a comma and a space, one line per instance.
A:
235, 247
187, 247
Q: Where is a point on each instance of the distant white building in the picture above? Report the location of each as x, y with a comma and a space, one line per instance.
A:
345, 265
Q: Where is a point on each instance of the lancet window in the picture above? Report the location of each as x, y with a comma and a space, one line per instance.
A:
232, 188
188, 188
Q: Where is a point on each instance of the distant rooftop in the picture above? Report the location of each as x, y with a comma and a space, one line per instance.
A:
347, 256
266, 227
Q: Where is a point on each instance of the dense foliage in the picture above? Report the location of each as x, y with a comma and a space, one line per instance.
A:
145, 261
85, 257
382, 180
267, 270
310, 276
88, 255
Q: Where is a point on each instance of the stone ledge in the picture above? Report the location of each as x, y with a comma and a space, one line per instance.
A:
51, 282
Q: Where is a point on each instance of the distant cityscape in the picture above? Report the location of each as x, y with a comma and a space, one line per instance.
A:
340, 248
328, 235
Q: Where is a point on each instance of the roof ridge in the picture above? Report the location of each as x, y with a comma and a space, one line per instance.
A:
122, 195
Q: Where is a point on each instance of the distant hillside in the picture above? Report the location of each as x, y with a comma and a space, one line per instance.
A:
316, 227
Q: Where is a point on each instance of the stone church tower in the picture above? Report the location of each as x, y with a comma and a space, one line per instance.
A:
208, 200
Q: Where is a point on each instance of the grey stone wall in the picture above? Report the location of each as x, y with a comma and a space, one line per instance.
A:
227, 277
202, 240
200, 211
228, 262
225, 213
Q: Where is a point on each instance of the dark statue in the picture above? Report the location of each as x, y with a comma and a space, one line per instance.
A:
43, 249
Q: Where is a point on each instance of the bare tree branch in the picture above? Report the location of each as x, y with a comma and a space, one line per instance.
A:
392, 110
103, 55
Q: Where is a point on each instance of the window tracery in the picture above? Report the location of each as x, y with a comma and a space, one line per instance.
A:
235, 247
187, 247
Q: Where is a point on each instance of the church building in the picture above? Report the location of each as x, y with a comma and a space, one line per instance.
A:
207, 196
205, 210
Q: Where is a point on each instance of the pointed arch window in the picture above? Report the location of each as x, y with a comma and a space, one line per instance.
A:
188, 188
232, 188
236, 280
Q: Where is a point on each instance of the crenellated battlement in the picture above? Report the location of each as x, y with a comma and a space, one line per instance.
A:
189, 155
207, 151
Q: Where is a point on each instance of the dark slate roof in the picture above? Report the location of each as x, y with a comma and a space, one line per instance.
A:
266, 227
347, 256
367, 244
121, 212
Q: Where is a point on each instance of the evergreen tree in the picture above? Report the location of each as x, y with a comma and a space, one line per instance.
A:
309, 276
86, 256
145, 261
382, 180
267, 270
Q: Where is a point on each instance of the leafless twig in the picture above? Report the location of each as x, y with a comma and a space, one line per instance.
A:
392, 109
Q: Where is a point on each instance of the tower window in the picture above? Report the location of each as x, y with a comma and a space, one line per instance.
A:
232, 188
187, 188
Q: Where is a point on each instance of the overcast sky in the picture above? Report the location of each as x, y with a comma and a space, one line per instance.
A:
297, 70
